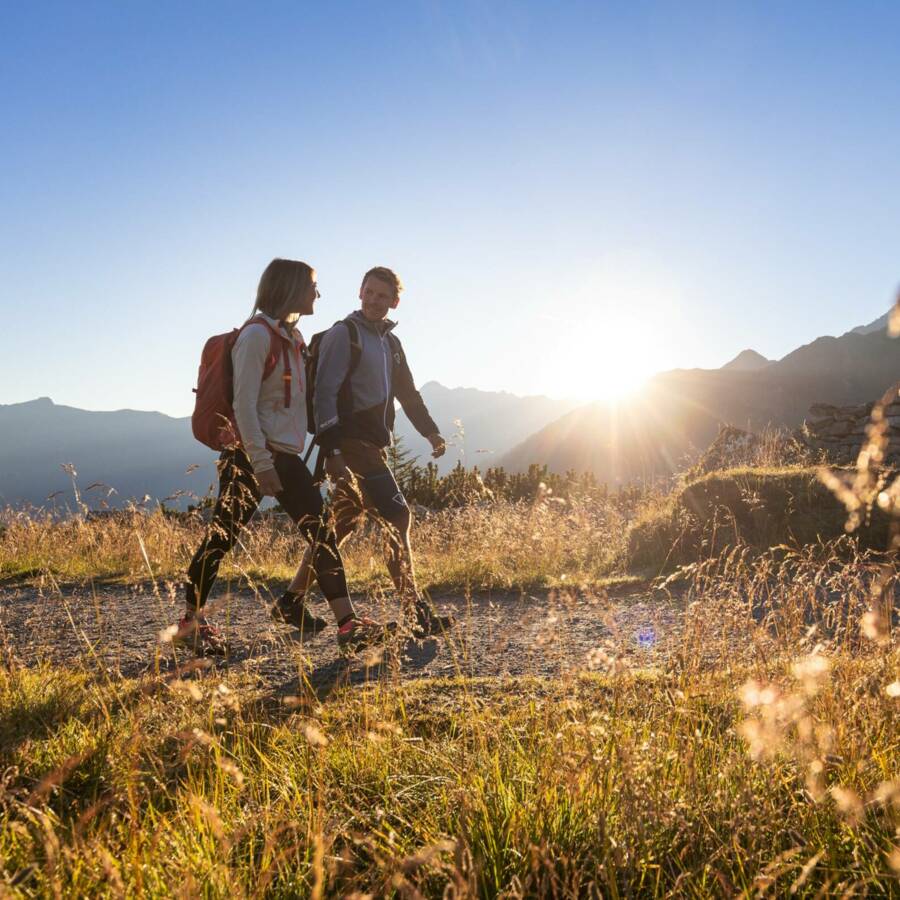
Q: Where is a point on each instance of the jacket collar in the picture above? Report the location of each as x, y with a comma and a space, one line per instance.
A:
382, 327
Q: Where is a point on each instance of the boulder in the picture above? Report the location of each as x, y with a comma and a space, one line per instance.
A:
838, 429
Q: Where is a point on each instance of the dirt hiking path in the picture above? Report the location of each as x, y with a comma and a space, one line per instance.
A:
117, 629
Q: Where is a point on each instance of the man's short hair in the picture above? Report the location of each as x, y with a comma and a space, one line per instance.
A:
383, 273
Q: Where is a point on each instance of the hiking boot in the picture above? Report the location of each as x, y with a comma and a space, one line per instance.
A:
204, 639
357, 634
291, 610
428, 623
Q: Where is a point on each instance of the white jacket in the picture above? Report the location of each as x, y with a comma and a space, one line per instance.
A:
263, 421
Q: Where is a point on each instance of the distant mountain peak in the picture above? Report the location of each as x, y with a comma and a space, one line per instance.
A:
747, 361
37, 403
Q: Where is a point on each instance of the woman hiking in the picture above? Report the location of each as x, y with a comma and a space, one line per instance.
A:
270, 413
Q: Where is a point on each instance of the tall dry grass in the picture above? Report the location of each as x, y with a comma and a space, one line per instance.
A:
501, 544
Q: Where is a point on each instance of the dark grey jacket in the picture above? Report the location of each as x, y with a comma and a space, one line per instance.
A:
364, 408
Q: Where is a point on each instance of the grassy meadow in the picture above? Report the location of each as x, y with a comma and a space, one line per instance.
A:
761, 759
501, 545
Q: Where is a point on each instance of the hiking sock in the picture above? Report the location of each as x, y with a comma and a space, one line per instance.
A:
342, 609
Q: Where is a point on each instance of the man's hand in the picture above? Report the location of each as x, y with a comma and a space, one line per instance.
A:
438, 445
269, 483
336, 469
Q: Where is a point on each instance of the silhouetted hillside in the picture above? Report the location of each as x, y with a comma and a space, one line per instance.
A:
677, 413
138, 453
493, 422
135, 453
680, 411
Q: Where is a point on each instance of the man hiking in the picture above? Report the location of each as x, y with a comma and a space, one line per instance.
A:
360, 368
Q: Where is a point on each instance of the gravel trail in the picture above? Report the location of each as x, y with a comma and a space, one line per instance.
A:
117, 629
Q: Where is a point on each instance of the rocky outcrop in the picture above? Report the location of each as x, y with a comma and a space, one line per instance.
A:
756, 507
732, 447
840, 431
736, 448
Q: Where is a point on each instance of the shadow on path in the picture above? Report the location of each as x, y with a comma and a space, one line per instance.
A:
327, 678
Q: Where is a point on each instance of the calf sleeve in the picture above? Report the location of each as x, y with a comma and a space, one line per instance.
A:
237, 501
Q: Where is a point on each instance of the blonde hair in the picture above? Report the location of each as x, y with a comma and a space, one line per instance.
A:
280, 285
383, 273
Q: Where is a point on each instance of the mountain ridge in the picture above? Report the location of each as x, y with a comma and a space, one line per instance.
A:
878, 324
680, 411
139, 452
146, 452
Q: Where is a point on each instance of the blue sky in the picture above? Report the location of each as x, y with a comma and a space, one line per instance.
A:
574, 193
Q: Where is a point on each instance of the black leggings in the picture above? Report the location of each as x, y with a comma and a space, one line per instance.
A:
239, 498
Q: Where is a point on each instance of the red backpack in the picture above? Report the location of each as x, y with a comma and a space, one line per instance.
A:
213, 419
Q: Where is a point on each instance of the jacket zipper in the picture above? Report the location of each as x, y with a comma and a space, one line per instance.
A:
387, 389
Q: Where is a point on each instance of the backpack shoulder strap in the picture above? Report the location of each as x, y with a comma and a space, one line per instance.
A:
276, 341
355, 344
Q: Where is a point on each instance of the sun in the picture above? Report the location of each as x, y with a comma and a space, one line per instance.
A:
610, 336
619, 363
609, 359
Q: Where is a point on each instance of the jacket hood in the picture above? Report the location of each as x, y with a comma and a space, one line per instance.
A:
382, 327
